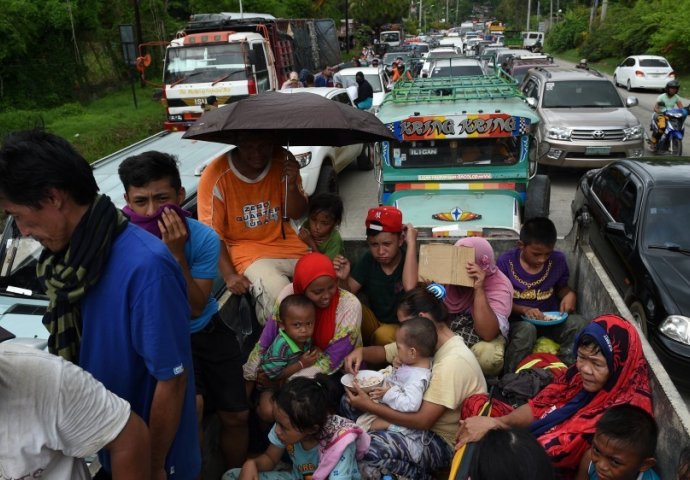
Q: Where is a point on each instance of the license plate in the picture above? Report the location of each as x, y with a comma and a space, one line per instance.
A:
597, 150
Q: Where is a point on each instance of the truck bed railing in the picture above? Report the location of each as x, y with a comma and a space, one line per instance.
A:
451, 89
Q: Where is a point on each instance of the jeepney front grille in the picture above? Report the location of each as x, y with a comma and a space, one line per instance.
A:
598, 135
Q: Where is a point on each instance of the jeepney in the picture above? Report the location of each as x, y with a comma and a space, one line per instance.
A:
464, 161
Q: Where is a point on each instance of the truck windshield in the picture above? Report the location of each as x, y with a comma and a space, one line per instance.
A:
205, 63
18, 258
454, 153
579, 94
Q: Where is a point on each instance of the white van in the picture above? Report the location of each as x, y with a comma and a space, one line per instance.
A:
530, 39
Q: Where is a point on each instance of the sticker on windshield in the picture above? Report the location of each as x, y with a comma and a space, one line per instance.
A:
549, 86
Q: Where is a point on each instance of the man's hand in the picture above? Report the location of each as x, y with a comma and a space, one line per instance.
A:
477, 274
173, 232
342, 267
238, 284
291, 169
410, 236
309, 358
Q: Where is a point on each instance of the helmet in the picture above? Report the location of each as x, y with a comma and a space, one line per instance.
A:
672, 84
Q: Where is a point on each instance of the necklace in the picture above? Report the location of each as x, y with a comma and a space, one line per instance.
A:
529, 284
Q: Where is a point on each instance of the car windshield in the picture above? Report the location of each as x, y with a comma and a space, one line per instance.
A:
209, 63
667, 216
653, 62
581, 94
373, 79
455, 153
18, 258
390, 57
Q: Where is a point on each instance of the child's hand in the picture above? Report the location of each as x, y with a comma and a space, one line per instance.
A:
568, 302
342, 267
309, 358
249, 470
379, 392
305, 235
534, 313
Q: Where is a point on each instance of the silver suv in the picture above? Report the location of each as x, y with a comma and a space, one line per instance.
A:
584, 120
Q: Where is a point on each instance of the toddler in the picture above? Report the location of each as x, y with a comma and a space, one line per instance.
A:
404, 389
320, 445
623, 446
320, 231
292, 350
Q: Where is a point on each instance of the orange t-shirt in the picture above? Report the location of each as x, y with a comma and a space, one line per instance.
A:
247, 214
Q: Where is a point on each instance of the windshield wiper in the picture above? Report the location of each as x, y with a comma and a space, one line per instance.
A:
671, 247
183, 79
226, 76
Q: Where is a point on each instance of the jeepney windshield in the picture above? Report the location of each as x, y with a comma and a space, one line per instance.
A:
205, 63
455, 153
18, 258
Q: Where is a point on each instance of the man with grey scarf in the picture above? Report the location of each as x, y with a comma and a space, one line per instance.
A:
118, 301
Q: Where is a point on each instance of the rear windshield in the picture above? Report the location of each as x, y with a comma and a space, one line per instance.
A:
454, 153
469, 70
373, 79
205, 63
653, 62
581, 94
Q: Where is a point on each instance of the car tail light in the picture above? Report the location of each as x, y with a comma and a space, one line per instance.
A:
251, 86
672, 75
639, 73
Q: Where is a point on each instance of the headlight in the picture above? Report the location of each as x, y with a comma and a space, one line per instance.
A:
676, 327
559, 133
303, 159
633, 133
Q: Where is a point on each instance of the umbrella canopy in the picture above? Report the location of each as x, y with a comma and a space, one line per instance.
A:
290, 119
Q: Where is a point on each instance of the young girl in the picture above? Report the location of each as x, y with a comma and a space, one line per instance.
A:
320, 445
319, 232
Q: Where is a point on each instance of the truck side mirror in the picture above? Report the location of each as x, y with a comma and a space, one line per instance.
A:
631, 102
616, 229
532, 102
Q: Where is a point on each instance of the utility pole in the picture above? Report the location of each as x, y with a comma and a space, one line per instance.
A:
420, 16
448, 13
604, 5
550, 15
529, 12
347, 29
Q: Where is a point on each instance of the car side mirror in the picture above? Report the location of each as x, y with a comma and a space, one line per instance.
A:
616, 229
631, 102
532, 102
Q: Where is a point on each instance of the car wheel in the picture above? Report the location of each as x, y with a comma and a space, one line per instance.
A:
364, 161
328, 181
676, 147
538, 198
628, 86
640, 317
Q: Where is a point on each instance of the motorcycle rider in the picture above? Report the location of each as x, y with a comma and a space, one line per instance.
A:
666, 101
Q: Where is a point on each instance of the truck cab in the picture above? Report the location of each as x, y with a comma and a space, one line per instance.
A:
463, 163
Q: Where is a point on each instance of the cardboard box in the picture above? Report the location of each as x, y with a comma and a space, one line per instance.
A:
446, 264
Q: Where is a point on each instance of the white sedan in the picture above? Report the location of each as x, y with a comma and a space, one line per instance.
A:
320, 165
643, 71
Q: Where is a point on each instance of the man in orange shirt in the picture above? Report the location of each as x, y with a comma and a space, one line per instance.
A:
242, 197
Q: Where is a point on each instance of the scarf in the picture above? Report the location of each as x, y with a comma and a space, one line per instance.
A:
66, 275
308, 268
150, 223
496, 284
336, 435
566, 431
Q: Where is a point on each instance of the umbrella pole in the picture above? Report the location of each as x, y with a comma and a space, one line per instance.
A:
285, 179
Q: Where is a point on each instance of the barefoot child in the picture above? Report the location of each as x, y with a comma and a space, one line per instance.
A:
320, 231
403, 391
321, 446
291, 351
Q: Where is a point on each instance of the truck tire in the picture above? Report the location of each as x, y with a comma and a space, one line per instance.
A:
538, 198
328, 181
364, 161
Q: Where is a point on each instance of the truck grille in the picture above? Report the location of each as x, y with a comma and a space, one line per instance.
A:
598, 134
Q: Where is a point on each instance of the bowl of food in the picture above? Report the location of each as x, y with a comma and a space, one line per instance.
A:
550, 318
367, 380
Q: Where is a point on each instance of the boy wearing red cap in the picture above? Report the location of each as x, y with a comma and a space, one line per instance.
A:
383, 273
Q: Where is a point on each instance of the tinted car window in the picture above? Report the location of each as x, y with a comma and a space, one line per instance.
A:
628, 201
469, 70
653, 62
667, 216
531, 89
581, 94
606, 187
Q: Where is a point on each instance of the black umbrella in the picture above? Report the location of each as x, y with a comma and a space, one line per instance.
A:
290, 119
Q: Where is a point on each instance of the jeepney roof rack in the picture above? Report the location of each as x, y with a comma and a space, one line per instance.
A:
450, 89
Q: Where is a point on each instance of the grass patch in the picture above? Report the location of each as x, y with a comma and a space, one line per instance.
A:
98, 128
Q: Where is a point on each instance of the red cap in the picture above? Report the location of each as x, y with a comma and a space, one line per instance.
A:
384, 219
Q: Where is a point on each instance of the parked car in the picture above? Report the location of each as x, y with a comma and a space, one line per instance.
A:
643, 71
320, 165
585, 122
635, 214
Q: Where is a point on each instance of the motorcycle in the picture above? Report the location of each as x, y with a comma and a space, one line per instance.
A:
671, 140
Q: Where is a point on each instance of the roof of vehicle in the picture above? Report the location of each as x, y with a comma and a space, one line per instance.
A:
458, 59
655, 171
556, 74
454, 96
354, 70
641, 57
323, 91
